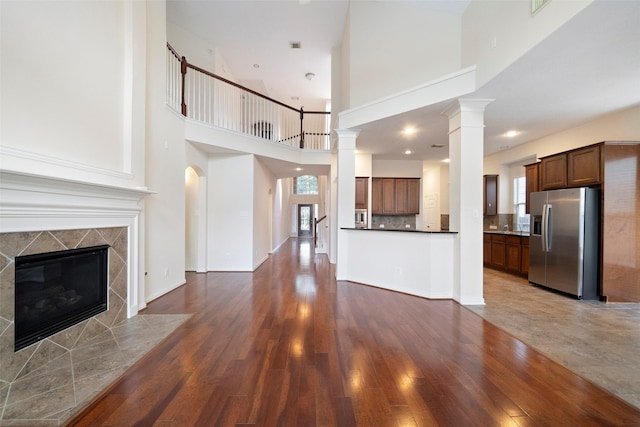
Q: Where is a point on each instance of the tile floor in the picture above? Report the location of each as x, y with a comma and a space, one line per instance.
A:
598, 341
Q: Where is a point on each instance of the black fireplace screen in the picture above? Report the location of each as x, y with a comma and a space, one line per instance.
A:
56, 290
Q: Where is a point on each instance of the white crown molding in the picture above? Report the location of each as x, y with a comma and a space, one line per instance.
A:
10, 152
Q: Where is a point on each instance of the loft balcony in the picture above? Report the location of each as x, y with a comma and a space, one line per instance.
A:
207, 98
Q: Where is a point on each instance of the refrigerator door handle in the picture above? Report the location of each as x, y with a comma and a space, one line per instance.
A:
546, 232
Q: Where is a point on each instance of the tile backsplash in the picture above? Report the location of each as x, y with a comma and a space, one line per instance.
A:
394, 222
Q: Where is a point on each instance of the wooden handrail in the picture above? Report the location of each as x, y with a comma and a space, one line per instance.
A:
172, 50
315, 235
184, 65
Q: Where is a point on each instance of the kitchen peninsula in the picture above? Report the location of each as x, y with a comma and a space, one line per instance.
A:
411, 261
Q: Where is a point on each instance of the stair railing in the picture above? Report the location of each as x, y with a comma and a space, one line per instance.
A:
206, 97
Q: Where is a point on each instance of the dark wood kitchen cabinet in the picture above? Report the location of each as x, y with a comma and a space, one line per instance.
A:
395, 196
532, 178
506, 252
490, 196
401, 196
376, 196
513, 254
581, 167
388, 196
362, 193
498, 251
413, 197
486, 249
553, 172
524, 266
584, 166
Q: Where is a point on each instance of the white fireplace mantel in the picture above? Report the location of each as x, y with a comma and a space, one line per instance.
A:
30, 202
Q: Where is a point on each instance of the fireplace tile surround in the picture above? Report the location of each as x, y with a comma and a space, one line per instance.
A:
47, 382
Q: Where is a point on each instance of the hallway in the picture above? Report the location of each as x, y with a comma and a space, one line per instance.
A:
288, 346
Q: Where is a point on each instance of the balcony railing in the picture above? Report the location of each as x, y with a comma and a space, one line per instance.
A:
209, 98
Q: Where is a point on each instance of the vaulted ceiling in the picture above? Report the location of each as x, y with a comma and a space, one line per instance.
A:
587, 68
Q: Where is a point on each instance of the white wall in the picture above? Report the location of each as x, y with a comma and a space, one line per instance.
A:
264, 184
430, 208
393, 46
191, 219
166, 163
72, 90
230, 213
281, 212
510, 27
197, 51
396, 168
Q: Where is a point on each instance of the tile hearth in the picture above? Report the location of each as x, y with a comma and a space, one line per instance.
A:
51, 394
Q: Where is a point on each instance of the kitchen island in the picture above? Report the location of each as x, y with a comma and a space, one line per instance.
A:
411, 261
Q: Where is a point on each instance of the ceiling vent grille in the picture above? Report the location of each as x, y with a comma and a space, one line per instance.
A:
536, 5
295, 45
437, 145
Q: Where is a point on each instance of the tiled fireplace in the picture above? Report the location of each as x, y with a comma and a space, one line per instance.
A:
19, 371
48, 381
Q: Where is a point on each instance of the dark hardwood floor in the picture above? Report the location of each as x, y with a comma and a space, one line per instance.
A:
288, 346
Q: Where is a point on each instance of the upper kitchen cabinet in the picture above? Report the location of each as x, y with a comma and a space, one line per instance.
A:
362, 193
413, 197
490, 199
401, 196
376, 196
395, 196
388, 196
553, 172
581, 167
584, 166
532, 178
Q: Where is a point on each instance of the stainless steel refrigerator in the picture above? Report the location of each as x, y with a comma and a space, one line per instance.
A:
564, 243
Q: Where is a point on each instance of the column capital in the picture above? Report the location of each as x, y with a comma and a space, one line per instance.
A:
466, 104
347, 138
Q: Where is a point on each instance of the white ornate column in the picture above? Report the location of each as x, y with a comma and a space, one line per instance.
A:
466, 153
346, 195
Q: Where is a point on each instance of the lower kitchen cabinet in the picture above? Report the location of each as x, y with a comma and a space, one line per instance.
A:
513, 258
498, 251
506, 252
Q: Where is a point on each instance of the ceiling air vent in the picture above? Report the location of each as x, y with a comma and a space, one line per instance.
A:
295, 45
536, 5
437, 145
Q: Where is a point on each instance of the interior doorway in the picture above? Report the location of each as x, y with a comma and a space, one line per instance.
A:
305, 220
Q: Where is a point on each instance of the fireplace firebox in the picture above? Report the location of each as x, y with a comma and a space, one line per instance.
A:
56, 290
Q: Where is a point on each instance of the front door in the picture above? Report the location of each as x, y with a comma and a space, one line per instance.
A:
305, 220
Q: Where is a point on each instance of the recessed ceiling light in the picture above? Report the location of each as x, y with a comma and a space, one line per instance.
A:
511, 134
409, 130
407, 152
298, 169
446, 160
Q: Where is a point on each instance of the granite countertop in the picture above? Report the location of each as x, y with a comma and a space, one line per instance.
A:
508, 233
401, 230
